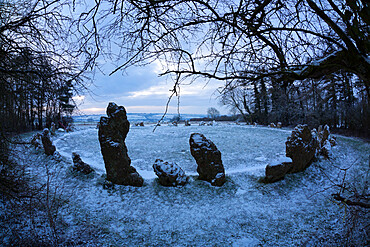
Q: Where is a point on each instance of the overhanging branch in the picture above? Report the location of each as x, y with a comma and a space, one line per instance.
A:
348, 202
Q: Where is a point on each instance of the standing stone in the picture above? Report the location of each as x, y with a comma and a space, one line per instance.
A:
301, 148
208, 158
52, 128
276, 170
112, 134
169, 174
326, 141
47, 143
79, 165
323, 134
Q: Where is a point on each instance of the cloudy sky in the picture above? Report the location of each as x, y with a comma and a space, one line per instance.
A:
141, 90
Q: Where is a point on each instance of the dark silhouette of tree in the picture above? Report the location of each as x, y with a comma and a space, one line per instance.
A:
213, 113
246, 39
40, 62
283, 44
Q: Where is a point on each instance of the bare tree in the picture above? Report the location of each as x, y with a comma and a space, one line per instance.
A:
239, 100
39, 61
233, 40
213, 113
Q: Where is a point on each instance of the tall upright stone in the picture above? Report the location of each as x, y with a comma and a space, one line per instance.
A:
301, 147
208, 158
112, 134
47, 143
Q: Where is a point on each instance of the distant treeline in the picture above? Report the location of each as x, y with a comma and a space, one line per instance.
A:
217, 118
340, 100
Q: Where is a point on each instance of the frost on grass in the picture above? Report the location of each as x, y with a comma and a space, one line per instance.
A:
296, 211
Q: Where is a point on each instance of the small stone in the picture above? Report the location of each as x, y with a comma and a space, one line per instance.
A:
57, 156
79, 165
36, 140
169, 174
52, 128
276, 171
326, 150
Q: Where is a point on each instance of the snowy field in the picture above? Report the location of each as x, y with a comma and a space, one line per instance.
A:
243, 148
296, 211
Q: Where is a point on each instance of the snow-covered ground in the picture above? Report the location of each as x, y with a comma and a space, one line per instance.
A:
243, 212
243, 148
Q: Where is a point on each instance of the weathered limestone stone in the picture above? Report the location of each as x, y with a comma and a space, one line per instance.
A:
326, 141
49, 148
112, 134
208, 158
36, 140
79, 165
276, 170
301, 148
52, 128
326, 150
169, 174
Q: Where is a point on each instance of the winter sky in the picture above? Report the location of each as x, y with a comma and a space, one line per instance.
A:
142, 90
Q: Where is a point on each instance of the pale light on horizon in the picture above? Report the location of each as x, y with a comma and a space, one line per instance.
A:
93, 110
150, 109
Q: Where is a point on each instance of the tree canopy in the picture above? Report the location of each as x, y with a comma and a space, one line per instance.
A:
40, 63
233, 40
